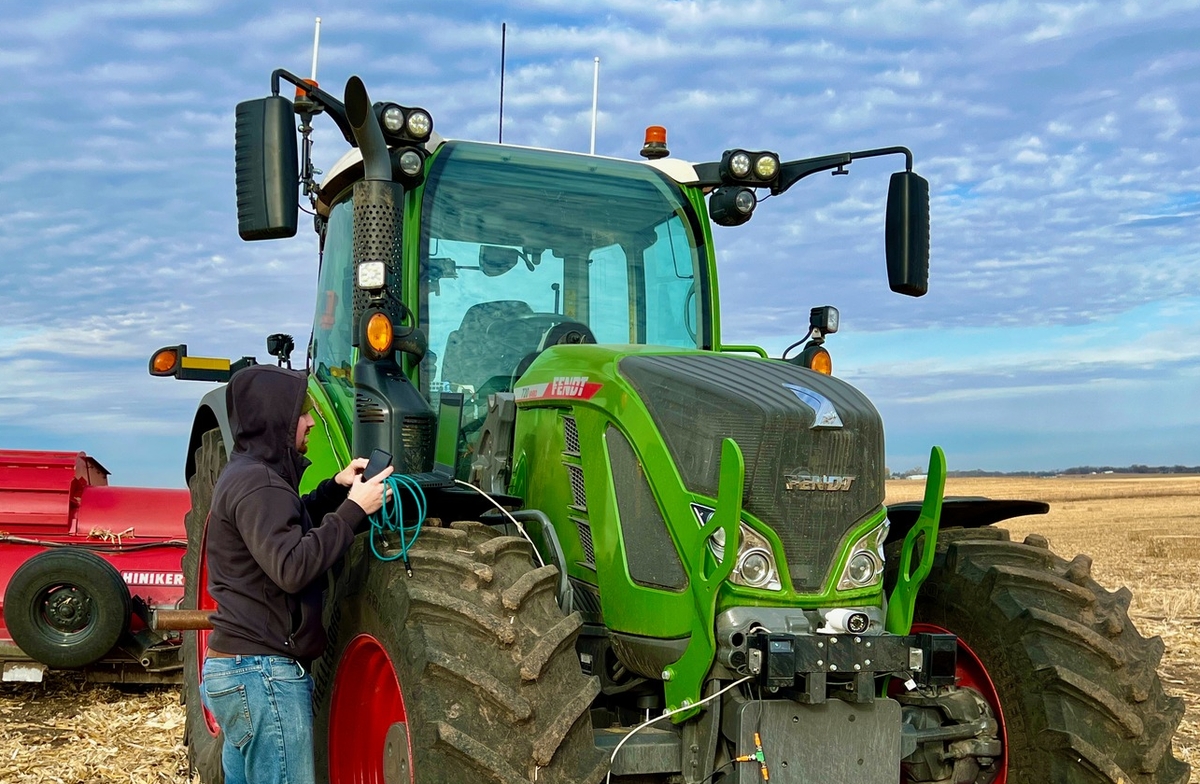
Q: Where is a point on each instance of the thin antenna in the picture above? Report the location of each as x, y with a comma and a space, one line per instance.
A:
595, 93
316, 44
503, 40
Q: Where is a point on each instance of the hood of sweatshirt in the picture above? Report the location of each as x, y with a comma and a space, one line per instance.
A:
264, 405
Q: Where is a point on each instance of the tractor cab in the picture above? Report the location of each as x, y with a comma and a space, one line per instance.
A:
613, 253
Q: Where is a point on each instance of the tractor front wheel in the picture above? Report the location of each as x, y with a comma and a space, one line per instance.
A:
1074, 685
464, 672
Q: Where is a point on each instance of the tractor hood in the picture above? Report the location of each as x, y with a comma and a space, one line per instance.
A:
812, 444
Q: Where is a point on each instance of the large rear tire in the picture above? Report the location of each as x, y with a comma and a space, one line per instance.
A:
464, 672
1075, 684
200, 732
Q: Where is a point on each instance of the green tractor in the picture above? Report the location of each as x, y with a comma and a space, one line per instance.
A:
646, 555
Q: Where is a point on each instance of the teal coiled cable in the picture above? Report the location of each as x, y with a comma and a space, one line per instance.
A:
390, 517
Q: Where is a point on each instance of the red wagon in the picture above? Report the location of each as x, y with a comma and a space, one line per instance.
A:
83, 567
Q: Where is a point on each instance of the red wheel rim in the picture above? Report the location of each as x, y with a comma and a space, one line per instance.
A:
971, 673
366, 701
204, 601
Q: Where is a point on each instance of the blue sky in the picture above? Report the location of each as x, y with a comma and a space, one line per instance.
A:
1062, 326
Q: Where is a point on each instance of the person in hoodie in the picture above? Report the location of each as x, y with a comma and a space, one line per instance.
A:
268, 549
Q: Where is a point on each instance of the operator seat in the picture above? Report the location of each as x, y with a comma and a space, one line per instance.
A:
482, 349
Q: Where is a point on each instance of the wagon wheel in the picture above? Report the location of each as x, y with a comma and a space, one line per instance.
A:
66, 607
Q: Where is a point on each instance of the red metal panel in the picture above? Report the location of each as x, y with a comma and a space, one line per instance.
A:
40, 491
36, 490
149, 512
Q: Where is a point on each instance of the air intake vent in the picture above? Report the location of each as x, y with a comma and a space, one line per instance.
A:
417, 433
368, 410
570, 437
585, 539
578, 495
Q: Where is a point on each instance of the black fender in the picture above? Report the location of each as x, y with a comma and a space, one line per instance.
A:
961, 512
212, 412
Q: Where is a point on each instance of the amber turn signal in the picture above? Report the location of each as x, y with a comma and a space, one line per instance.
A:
820, 361
164, 361
379, 333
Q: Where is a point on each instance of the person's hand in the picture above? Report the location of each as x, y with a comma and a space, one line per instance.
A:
347, 475
369, 494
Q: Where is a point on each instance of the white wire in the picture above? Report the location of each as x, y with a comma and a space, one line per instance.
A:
504, 511
644, 724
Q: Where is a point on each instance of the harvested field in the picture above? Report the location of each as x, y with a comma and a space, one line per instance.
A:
1141, 532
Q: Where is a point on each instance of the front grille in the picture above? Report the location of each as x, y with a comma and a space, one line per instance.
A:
697, 400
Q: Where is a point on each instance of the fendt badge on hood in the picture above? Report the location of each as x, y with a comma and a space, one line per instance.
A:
804, 481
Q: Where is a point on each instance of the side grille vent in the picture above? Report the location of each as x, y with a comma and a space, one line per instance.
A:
578, 495
368, 410
649, 550
570, 437
585, 539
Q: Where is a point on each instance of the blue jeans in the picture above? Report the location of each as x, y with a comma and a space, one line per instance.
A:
263, 704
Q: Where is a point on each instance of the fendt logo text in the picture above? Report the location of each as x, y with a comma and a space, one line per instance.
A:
804, 481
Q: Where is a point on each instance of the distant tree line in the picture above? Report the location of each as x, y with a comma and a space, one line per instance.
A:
1136, 468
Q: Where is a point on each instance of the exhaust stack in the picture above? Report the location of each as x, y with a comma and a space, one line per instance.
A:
377, 165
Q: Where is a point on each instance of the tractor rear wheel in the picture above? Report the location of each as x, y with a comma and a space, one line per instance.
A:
1074, 684
200, 733
464, 672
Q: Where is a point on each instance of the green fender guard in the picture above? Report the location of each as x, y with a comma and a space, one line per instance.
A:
685, 677
903, 601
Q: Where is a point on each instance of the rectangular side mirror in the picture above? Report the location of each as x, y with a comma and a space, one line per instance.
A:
907, 234
496, 259
267, 172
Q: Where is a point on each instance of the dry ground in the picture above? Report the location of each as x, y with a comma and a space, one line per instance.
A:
66, 731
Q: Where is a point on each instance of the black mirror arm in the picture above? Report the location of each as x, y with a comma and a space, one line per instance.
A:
791, 172
330, 105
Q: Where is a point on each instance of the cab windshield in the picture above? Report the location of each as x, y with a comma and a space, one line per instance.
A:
524, 249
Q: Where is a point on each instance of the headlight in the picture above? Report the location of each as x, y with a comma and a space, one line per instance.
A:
755, 564
864, 567
393, 118
745, 201
739, 164
766, 167
755, 568
419, 123
371, 275
410, 162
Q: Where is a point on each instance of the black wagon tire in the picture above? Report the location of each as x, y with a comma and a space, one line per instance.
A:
1078, 686
66, 607
464, 672
203, 741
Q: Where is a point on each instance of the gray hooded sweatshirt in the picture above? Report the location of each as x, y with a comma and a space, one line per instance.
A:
267, 546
